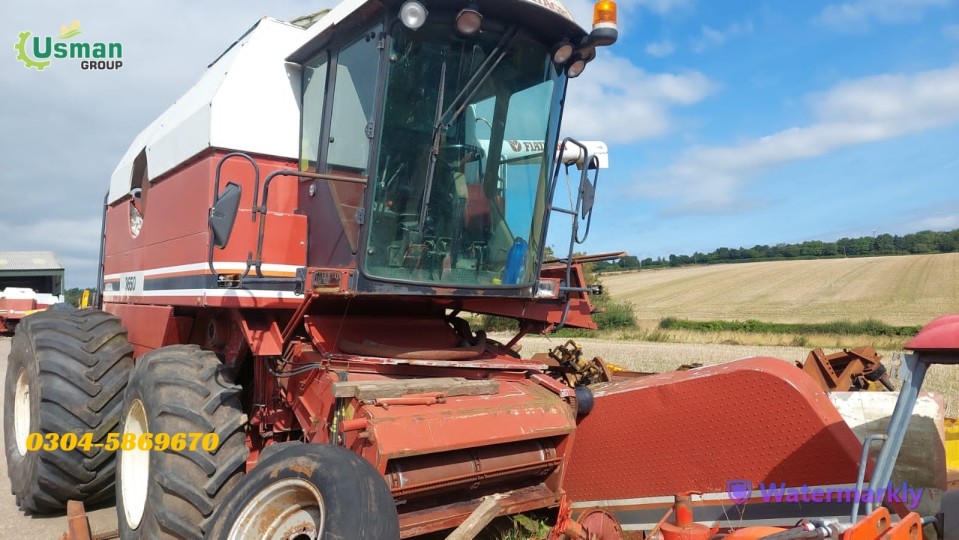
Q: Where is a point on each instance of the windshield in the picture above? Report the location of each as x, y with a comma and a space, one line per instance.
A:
459, 196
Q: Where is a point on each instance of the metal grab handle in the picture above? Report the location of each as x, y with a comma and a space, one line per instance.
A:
258, 261
216, 193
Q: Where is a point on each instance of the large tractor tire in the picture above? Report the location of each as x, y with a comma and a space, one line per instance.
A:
66, 373
309, 491
171, 493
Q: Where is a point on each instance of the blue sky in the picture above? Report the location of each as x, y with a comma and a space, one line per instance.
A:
730, 123
773, 121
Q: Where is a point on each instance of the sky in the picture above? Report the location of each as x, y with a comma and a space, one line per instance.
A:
729, 123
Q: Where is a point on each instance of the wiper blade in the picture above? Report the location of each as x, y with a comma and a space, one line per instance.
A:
434, 149
482, 73
469, 90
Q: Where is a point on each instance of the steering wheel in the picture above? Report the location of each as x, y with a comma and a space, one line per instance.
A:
458, 152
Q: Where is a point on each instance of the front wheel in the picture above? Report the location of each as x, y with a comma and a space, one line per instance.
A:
166, 489
309, 491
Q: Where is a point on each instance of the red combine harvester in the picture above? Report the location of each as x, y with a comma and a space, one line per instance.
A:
287, 250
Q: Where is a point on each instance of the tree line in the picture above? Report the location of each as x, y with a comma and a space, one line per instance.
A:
922, 242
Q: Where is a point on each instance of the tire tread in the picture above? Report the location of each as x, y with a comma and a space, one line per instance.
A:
83, 361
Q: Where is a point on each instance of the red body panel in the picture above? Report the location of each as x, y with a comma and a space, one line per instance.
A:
941, 335
16, 308
148, 327
173, 245
758, 420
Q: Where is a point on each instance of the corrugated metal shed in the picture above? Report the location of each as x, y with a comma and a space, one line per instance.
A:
20, 262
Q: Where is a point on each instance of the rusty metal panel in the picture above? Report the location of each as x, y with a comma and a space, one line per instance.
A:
520, 411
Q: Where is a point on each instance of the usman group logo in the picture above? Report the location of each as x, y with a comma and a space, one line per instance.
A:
39, 53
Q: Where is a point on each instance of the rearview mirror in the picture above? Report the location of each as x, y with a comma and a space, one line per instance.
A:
588, 193
223, 214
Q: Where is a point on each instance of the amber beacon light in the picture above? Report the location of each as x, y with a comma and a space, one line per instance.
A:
604, 25
604, 14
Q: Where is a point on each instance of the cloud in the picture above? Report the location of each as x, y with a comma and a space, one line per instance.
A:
660, 49
862, 13
710, 37
620, 103
951, 31
935, 223
854, 112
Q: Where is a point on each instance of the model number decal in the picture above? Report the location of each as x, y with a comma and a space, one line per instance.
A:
131, 283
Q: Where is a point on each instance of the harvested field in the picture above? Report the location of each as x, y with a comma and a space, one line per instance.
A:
903, 290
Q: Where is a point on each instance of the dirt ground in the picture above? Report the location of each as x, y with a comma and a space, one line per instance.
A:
640, 356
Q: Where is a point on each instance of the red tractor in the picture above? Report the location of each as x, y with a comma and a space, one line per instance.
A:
286, 253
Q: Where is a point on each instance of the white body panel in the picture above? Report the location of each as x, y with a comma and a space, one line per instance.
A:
519, 150
18, 293
248, 100
921, 461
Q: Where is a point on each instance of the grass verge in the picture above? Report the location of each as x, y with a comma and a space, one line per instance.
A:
868, 327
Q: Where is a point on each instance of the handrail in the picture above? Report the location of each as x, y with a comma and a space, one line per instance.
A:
257, 262
216, 194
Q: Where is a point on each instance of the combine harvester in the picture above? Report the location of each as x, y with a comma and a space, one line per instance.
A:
287, 251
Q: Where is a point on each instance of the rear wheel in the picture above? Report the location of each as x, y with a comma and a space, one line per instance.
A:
308, 492
172, 492
66, 374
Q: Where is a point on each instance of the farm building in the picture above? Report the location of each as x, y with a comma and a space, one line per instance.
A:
29, 280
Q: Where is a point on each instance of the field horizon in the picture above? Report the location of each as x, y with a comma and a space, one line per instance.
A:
898, 290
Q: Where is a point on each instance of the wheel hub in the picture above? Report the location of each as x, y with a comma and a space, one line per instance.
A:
134, 466
290, 509
21, 412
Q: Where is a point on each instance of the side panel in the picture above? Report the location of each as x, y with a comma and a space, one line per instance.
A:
148, 327
167, 263
748, 422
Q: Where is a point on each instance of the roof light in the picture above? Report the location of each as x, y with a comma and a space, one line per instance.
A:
562, 52
604, 14
469, 20
413, 14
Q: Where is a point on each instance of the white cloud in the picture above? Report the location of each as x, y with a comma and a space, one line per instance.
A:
660, 49
711, 37
854, 112
862, 13
942, 222
951, 31
620, 103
